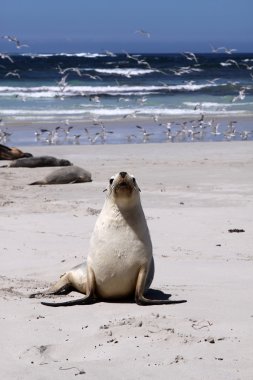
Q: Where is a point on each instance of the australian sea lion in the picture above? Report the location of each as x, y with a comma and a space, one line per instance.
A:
13, 153
120, 262
40, 161
70, 174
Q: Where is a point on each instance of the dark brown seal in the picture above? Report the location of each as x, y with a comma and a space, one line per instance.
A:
13, 153
40, 161
70, 174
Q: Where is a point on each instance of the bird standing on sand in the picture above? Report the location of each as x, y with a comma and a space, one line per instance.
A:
146, 134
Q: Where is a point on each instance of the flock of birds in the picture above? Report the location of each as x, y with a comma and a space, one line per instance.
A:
177, 71
200, 129
190, 130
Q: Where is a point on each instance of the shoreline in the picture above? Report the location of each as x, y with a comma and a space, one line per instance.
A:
124, 131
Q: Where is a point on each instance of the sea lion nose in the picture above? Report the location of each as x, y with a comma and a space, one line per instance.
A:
123, 174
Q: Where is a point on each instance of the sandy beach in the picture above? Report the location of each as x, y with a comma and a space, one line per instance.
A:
192, 195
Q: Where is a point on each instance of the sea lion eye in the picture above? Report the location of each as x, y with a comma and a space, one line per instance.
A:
134, 181
111, 180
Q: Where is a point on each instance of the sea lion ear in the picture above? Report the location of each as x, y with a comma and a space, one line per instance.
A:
104, 190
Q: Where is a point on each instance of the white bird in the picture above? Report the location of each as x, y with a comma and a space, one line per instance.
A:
130, 56
103, 133
143, 33
143, 62
95, 99
240, 96
229, 51
92, 76
13, 74
90, 138
131, 137
15, 40
214, 50
142, 100
74, 69
63, 82
155, 118
231, 130
214, 129
212, 81
245, 134
5, 56
232, 62
226, 50
146, 134
190, 56
110, 53
247, 66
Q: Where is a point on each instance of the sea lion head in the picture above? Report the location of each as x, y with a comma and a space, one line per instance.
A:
26, 155
63, 162
123, 189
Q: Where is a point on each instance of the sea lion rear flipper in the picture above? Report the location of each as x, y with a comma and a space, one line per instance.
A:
64, 290
81, 301
87, 300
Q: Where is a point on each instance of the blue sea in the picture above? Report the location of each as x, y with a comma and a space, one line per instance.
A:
149, 90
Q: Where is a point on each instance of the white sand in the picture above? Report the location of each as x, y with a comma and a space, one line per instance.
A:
191, 194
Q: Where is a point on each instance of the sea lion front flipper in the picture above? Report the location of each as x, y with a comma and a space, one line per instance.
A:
64, 290
140, 288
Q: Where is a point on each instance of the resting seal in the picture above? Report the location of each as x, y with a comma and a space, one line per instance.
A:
70, 174
40, 161
7, 153
120, 261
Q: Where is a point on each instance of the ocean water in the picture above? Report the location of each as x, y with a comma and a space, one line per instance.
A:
135, 87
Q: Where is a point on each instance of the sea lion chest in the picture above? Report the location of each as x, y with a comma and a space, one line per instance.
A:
120, 244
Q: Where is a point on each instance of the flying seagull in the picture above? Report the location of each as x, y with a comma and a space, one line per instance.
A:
143, 33
15, 40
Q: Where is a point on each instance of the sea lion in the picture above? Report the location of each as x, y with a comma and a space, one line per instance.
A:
40, 161
70, 174
120, 262
13, 153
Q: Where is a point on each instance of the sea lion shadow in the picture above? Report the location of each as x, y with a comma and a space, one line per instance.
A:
157, 294
152, 294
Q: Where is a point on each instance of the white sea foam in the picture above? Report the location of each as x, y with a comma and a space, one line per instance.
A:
46, 55
45, 114
53, 91
125, 71
216, 105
